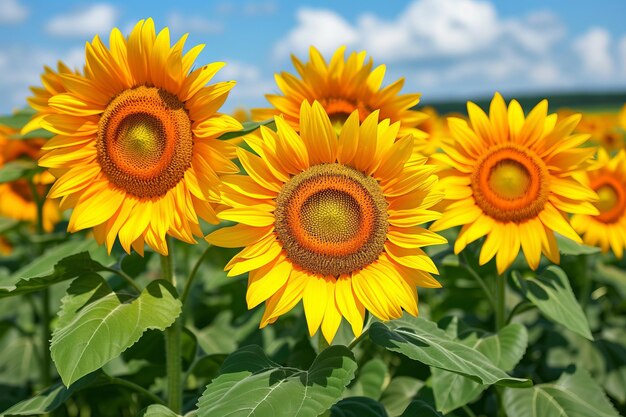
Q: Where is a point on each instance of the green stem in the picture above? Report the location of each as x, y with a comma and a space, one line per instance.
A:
173, 360
46, 334
519, 308
137, 388
192, 275
126, 278
357, 340
585, 292
468, 411
500, 305
480, 281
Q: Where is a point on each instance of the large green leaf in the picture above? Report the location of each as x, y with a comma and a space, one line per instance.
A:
505, 349
358, 407
399, 394
157, 410
251, 384
572, 395
52, 397
422, 340
421, 409
553, 296
95, 326
569, 247
65, 261
371, 379
15, 170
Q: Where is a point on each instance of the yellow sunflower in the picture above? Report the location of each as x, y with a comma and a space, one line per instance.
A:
52, 85
16, 197
512, 179
332, 219
602, 127
608, 228
136, 153
342, 86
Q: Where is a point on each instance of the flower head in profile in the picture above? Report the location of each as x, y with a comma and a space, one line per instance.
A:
607, 229
512, 178
136, 153
331, 219
342, 86
16, 197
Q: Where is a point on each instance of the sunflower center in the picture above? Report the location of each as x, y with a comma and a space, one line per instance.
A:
510, 183
331, 219
144, 141
612, 199
339, 109
22, 189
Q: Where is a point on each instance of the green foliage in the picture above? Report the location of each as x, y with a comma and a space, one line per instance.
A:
552, 294
575, 394
95, 326
251, 384
504, 349
423, 341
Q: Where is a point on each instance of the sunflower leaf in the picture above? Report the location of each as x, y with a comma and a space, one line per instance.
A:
65, 261
251, 384
569, 247
553, 296
420, 408
53, 397
399, 394
17, 170
157, 410
95, 326
248, 127
358, 407
573, 394
505, 349
422, 340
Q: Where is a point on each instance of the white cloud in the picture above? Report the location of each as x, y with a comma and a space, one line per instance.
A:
621, 50
593, 49
25, 70
87, 21
11, 11
458, 47
263, 8
323, 28
252, 85
192, 24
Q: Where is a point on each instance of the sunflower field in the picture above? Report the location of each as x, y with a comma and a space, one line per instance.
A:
161, 257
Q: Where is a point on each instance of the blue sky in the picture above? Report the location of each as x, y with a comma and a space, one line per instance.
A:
444, 48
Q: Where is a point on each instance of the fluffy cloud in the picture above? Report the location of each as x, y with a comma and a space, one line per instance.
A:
458, 47
25, 71
323, 28
192, 24
251, 86
11, 11
84, 22
593, 49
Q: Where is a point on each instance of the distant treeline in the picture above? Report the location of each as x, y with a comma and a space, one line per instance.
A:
580, 101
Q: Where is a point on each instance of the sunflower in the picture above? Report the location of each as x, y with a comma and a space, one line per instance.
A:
52, 85
331, 219
512, 178
608, 228
603, 128
16, 197
342, 86
136, 153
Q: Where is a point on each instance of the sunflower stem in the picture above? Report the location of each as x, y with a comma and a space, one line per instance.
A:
358, 340
500, 295
480, 281
192, 275
46, 376
173, 360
